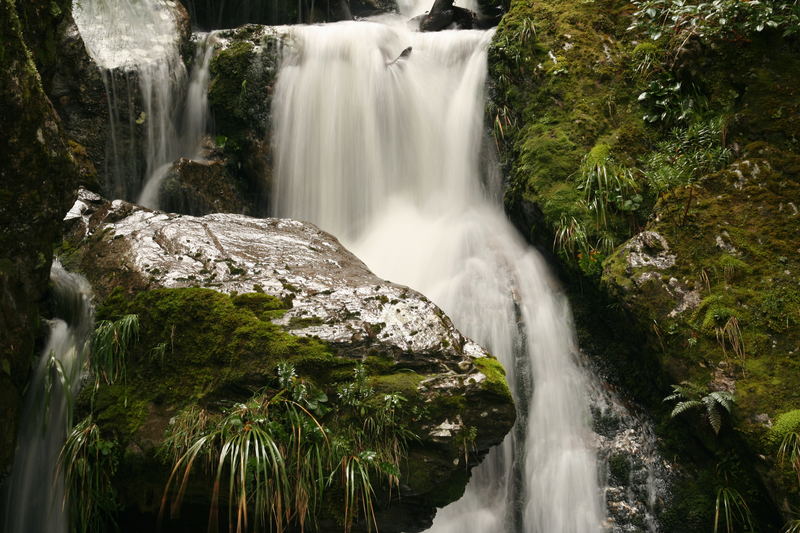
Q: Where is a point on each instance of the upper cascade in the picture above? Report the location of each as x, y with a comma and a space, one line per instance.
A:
132, 34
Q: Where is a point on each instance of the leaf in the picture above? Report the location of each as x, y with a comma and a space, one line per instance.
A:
643, 96
6, 366
683, 407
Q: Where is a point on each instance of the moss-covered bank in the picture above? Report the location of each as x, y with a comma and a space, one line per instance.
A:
684, 268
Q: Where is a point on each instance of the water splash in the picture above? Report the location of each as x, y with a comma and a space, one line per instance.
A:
386, 152
34, 490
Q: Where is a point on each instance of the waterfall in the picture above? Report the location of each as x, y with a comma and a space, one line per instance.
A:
194, 123
35, 492
386, 151
135, 43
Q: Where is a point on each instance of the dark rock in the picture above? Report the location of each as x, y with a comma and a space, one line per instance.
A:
201, 187
37, 176
444, 14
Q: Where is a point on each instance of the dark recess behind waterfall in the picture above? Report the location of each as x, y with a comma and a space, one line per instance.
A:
217, 14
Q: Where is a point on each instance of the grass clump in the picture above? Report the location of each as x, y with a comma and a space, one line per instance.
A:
88, 463
275, 456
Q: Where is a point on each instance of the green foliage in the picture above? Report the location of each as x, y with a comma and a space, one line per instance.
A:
784, 425
668, 101
88, 463
687, 155
680, 21
277, 460
789, 452
793, 526
607, 185
111, 343
690, 396
730, 510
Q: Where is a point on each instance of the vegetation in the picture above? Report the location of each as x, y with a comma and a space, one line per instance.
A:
88, 463
111, 344
730, 511
277, 459
690, 396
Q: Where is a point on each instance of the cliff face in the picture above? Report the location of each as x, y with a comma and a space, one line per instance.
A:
38, 175
660, 166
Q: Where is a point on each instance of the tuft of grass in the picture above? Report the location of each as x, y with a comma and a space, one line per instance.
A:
273, 460
730, 509
88, 462
789, 452
110, 345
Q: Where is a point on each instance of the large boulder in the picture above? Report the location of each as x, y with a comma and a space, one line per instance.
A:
231, 296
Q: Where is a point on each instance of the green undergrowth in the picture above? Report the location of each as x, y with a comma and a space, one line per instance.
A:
607, 125
198, 346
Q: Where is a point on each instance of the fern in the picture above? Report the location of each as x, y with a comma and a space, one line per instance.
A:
691, 396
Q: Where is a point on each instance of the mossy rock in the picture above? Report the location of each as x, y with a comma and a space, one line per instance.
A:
206, 343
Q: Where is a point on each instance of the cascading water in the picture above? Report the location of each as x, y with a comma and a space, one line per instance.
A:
35, 491
136, 45
194, 123
385, 152
135, 40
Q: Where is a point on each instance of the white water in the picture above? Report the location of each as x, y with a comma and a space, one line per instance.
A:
136, 45
35, 491
194, 124
387, 156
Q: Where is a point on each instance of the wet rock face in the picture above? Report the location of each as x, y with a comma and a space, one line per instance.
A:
201, 187
331, 299
37, 174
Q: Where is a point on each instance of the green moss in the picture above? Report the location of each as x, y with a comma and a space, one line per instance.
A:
403, 382
216, 345
784, 424
495, 381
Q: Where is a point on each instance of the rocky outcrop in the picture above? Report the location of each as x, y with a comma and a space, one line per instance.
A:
230, 296
201, 187
243, 73
37, 174
718, 285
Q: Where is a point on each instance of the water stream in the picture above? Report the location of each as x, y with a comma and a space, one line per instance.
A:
388, 151
387, 154
157, 112
34, 490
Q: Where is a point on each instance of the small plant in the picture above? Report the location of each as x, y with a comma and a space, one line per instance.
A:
607, 185
731, 335
793, 526
690, 396
88, 463
731, 509
110, 344
789, 452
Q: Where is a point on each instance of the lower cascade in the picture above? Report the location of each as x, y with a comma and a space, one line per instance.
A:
384, 148
35, 488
